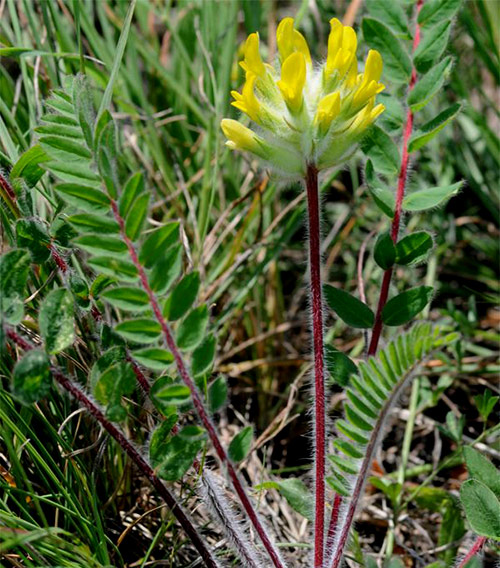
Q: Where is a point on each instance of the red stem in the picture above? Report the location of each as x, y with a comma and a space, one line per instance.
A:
9, 190
196, 397
476, 547
132, 452
396, 221
58, 259
318, 352
337, 502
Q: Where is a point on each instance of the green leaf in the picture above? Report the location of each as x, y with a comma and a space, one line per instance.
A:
56, 321
351, 310
160, 404
14, 270
153, 358
64, 148
80, 291
391, 14
171, 456
73, 172
428, 85
84, 107
241, 444
482, 508
157, 243
137, 217
106, 152
339, 365
480, 468
295, 492
99, 284
133, 188
127, 298
192, 329
31, 377
433, 127
430, 197
87, 198
397, 63
99, 244
431, 47
120, 269
413, 248
183, 296
89, 223
405, 306
390, 488
203, 356
485, 403
27, 166
217, 394
166, 270
139, 330
170, 394
393, 116
117, 381
436, 11
31, 234
379, 147
385, 251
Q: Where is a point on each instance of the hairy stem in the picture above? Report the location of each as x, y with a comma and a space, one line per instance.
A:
316, 303
476, 548
196, 397
396, 221
133, 453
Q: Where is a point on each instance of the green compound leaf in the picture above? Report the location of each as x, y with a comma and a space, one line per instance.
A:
351, 310
433, 127
485, 403
429, 84
391, 14
127, 298
430, 197
171, 456
117, 381
240, 445
203, 356
379, 147
137, 217
192, 329
183, 296
432, 46
339, 365
405, 306
31, 378
88, 223
397, 62
133, 188
385, 251
217, 394
413, 248
139, 330
435, 11
32, 234
482, 508
157, 243
86, 198
56, 321
480, 468
166, 270
153, 358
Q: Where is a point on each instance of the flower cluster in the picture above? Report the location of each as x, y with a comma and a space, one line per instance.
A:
303, 113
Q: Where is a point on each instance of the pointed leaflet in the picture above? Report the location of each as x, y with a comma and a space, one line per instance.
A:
84, 197
99, 244
139, 330
240, 445
430, 197
405, 306
89, 223
192, 329
203, 356
391, 14
427, 132
56, 321
382, 151
339, 365
413, 248
384, 199
432, 46
27, 166
133, 188
480, 468
127, 298
137, 217
166, 270
157, 243
351, 310
153, 358
217, 394
482, 508
428, 85
183, 296
436, 11
114, 267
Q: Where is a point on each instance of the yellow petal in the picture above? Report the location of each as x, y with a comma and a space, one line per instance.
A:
328, 109
247, 101
239, 137
349, 39
373, 66
300, 45
291, 40
253, 60
293, 78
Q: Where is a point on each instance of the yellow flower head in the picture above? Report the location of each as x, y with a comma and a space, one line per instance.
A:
305, 115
